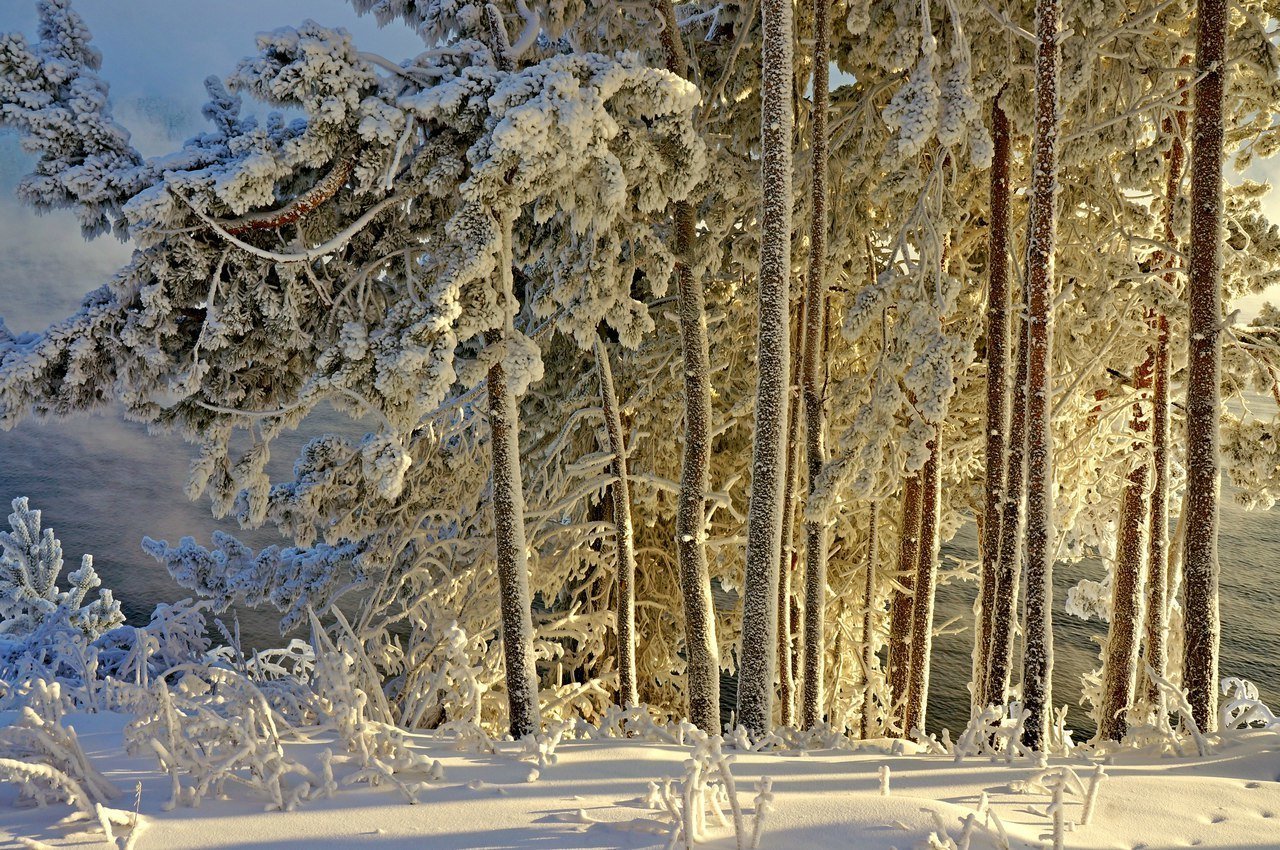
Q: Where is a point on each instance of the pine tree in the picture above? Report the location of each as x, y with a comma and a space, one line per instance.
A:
624, 539
868, 619
900, 612
1157, 622
815, 329
1004, 617
1204, 368
997, 412
768, 465
695, 579
924, 588
1120, 664
1037, 670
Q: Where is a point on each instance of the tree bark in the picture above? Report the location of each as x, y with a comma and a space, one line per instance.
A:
787, 559
815, 530
1037, 667
1120, 663
624, 541
868, 618
900, 614
1004, 619
702, 653
997, 419
1158, 556
925, 585
515, 603
768, 465
1204, 369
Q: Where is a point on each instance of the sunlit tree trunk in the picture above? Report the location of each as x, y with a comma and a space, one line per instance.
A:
787, 559
1037, 667
511, 549
1004, 617
1204, 369
1120, 658
925, 587
868, 618
1157, 626
903, 598
997, 418
815, 529
702, 654
773, 361
624, 542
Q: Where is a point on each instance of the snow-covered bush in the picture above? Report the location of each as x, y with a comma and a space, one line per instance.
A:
30, 564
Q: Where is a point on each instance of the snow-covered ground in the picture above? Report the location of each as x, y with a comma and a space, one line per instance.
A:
594, 796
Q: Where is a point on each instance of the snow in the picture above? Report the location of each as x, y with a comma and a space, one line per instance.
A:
593, 795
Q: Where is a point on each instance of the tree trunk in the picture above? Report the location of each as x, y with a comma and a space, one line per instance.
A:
868, 618
511, 549
997, 419
515, 605
1204, 368
900, 609
702, 653
925, 585
624, 542
1120, 664
1037, 666
787, 559
1004, 619
1158, 559
768, 464
815, 530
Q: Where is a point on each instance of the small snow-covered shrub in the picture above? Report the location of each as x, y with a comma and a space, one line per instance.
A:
214, 728
708, 788
45, 760
30, 564
1243, 709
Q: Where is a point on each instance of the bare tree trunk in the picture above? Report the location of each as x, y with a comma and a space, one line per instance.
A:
1037, 666
1158, 560
925, 585
701, 650
815, 530
768, 464
515, 603
1004, 619
624, 542
516, 607
1204, 369
868, 618
786, 646
900, 613
997, 419
1120, 664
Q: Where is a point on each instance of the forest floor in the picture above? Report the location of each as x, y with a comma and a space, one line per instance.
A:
594, 796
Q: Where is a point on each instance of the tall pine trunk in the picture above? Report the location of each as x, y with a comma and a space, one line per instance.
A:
1037, 666
624, 541
997, 419
1157, 627
1120, 658
511, 549
868, 618
904, 597
925, 587
1204, 368
1004, 618
787, 558
702, 653
815, 530
773, 360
